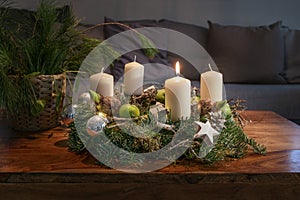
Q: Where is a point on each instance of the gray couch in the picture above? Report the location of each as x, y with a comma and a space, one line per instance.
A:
280, 94
277, 89
260, 64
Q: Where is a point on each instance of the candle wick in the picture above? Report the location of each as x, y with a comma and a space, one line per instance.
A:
209, 67
134, 58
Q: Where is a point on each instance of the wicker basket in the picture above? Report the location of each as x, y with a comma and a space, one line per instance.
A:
48, 87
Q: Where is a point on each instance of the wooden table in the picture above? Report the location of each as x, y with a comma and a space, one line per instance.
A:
39, 166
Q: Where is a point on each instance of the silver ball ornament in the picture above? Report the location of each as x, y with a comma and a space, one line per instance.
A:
96, 124
85, 98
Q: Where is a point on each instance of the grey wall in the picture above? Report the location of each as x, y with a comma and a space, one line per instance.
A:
241, 12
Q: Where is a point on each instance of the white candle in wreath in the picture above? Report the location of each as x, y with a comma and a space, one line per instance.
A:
178, 96
211, 86
133, 78
102, 83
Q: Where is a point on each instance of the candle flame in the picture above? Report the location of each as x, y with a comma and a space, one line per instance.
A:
177, 68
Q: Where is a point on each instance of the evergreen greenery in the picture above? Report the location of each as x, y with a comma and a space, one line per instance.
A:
232, 141
45, 42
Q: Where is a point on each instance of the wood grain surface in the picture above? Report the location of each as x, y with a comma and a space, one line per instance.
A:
43, 159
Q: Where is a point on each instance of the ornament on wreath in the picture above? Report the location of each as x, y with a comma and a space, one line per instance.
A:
85, 98
105, 104
110, 105
204, 106
217, 120
207, 131
145, 100
96, 124
155, 131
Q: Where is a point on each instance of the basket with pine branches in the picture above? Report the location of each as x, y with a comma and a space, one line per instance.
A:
36, 50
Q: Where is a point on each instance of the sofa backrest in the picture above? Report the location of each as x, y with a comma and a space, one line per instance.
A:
283, 64
197, 33
290, 72
292, 55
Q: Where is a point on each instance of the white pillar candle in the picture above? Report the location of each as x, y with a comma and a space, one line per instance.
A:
178, 96
133, 78
211, 86
102, 83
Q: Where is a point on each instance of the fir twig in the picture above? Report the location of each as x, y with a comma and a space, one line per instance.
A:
125, 134
74, 141
237, 107
232, 142
147, 44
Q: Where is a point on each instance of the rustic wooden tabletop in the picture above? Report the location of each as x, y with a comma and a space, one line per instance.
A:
40, 161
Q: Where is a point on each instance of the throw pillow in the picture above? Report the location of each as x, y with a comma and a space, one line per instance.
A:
292, 42
157, 69
248, 54
198, 33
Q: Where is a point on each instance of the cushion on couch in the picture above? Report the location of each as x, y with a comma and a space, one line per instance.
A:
198, 33
157, 69
292, 44
280, 98
248, 54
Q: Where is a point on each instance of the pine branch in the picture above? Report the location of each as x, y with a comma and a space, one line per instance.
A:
232, 141
257, 148
147, 44
74, 141
78, 136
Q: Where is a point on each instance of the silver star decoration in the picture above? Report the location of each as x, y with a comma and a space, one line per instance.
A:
207, 131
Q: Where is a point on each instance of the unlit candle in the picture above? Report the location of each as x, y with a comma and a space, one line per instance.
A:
133, 78
211, 86
102, 83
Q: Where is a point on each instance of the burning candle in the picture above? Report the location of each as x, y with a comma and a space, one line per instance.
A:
102, 83
211, 86
178, 96
133, 78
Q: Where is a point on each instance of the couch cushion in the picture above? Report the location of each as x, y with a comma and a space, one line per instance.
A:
248, 54
292, 42
198, 33
280, 98
157, 69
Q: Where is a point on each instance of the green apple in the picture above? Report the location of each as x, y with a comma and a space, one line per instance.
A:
128, 110
160, 96
224, 107
95, 96
195, 100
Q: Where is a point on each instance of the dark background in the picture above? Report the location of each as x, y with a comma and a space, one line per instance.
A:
239, 12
